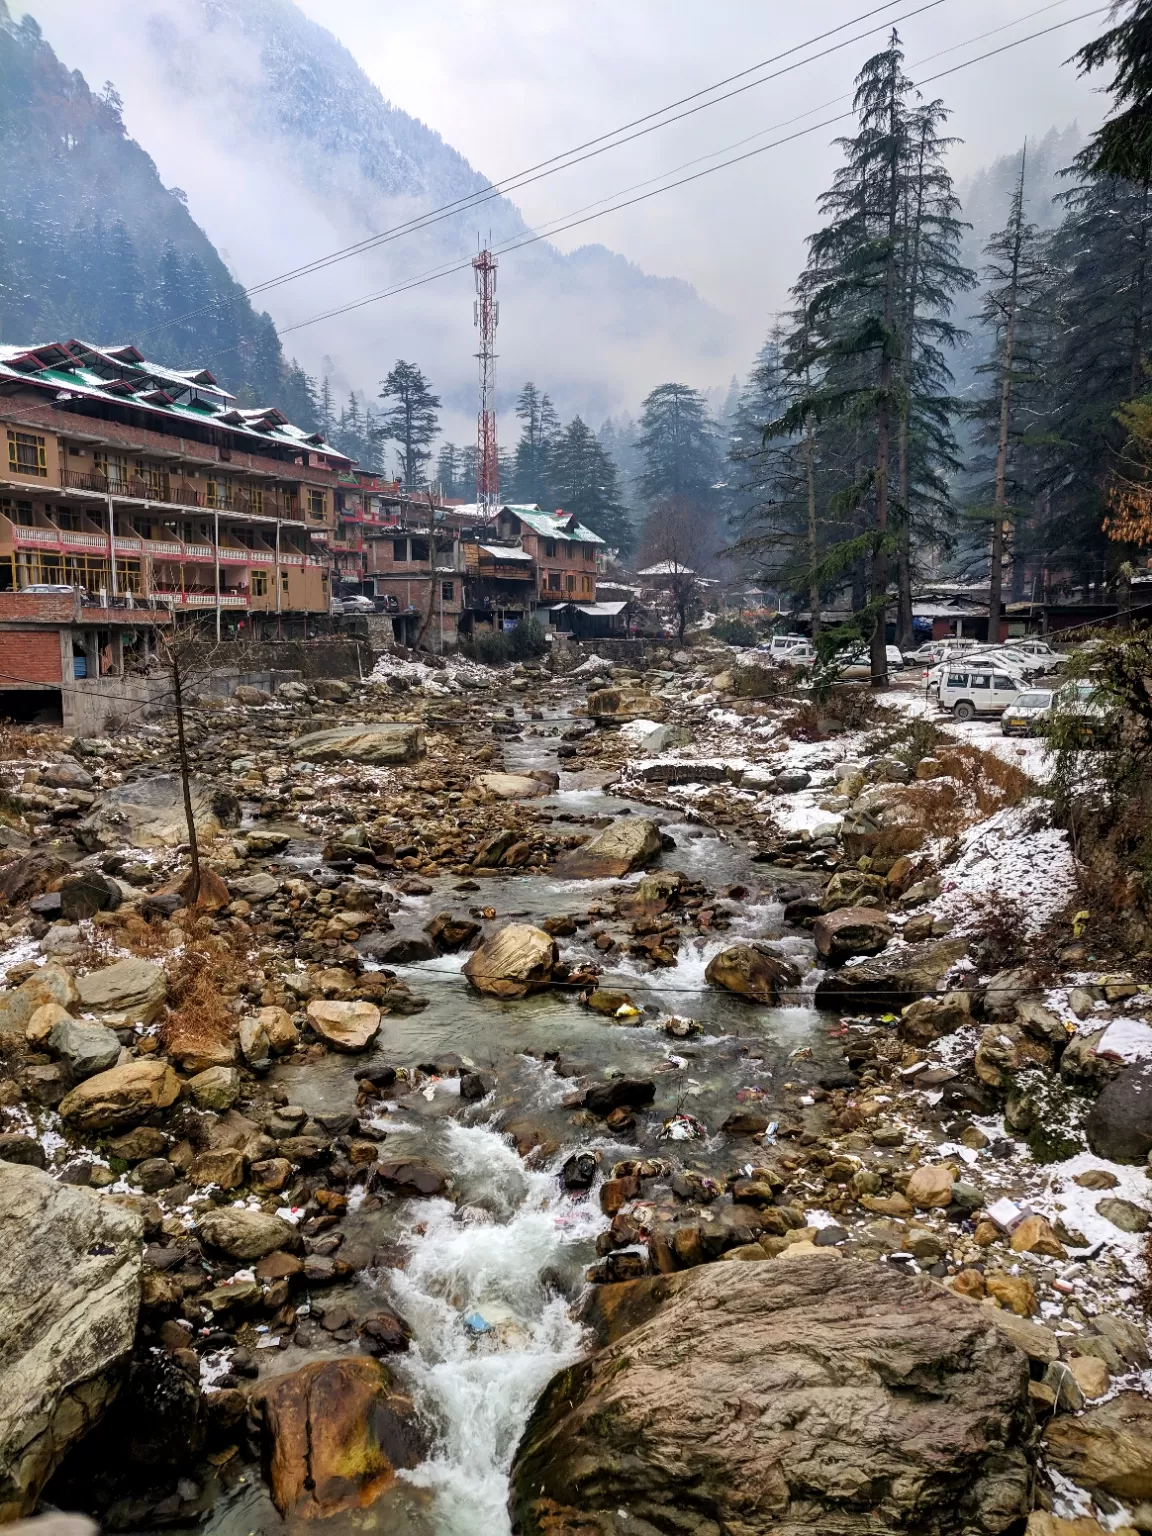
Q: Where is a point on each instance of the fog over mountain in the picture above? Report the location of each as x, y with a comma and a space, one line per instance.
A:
287, 151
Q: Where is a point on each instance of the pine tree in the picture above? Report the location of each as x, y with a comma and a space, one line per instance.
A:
586, 482
1122, 148
539, 425
125, 290
325, 412
448, 469
412, 421
1016, 281
297, 396
679, 445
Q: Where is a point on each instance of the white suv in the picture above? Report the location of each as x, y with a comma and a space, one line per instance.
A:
968, 689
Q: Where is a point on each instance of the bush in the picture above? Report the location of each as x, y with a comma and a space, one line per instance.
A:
490, 647
527, 641
735, 632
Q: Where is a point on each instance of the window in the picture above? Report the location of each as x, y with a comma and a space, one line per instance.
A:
258, 502
400, 551
448, 590
957, 680
553, 581
571, 583
26, 454
1000, 683
981, 679
24, 515
283, 581
550, 548
316, 506
589, 551
259, 583
338, 498
419, 549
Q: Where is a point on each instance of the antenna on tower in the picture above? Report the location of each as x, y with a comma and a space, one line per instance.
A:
486, 315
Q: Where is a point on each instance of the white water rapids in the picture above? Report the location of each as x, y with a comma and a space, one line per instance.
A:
486, 1262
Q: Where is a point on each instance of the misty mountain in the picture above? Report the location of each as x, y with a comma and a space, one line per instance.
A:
288, 151
93, 245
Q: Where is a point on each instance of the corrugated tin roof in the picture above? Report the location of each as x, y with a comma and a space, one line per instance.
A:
505, 552
554, 525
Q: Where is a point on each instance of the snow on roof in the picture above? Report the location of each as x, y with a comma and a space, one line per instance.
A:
555, 525
506, 552
121, 373
667, 568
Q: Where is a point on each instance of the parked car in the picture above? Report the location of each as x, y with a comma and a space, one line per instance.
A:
802, 655
357, 604
933, 651
1028, 715
967, 689
1030, 646
53, 589
1087, 715
779, 645
859, 663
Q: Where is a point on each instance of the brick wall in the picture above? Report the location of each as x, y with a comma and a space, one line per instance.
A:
29, 656
41, 607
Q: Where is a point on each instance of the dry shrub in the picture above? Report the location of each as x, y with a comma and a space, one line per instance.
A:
1144, 1286
19, 741
992, 783
1000, 930
200, 982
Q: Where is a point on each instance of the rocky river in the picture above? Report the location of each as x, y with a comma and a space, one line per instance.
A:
579, 1104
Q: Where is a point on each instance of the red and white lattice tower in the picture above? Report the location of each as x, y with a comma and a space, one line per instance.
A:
486, 314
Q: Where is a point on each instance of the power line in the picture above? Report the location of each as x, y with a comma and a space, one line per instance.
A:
515, 245
538, 171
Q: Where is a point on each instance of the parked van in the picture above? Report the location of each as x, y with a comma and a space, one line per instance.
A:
971, 689
779, 645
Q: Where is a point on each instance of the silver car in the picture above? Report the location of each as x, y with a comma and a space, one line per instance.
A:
1028, 714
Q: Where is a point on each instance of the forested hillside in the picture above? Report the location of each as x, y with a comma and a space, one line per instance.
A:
93, 245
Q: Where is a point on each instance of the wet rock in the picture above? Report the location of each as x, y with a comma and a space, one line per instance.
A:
1119, 1125
87, 1048
383, 742
895, 977
384, 1333
852, 888
473, 1087
851, 931
335, 1433
626, 845
411, 1181
134, 988
614, 705
751, 973
933, 1017
344, 1026
619, 1093
243, 1234
149, 813
49, 984
120, 1096
609, 1001
745, 1122
450, 933
69, 1296
579, 1172
516, 960
1108, 1449
83, 895
17, 1148
774, 1397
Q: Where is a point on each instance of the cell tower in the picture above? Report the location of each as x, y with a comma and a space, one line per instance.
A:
486, 314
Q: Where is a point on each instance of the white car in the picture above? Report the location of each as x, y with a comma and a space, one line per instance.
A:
357, 604
969, 688
1028, 714
934, 651
859, 663
780, 645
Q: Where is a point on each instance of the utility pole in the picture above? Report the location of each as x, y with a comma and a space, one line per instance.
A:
486, 315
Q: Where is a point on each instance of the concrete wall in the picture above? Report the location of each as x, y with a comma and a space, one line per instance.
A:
312, 658
89, 704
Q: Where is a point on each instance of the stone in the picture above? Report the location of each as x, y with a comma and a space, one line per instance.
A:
1107, 1449
244, 1234
1033, 1339
608, 1001
70, 1267
149, 813
1040, 1523
626, 845
84, 894
1119, 1124
224, 1168
850, 931
752, 973
44, 1021
1005, 990
215, 1088
258, 887
930, 1186
1091, 1374
783, 1397
49, 984
87, 1048
619, 1093
17, 1148
66, 775
381, 742
1125, 1214
510, 786
1015, 1292
450, 933
512, 962
344, 1026
745, 1122
852, 888
133, 988
335, 1433
136, 1145
615, 705
1035, 1235
25, 878
891, 979
121, 1096
932, 1017
413, 1181
1005, 1049
650, 736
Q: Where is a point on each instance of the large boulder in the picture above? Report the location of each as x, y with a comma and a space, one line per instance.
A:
244, 1234
626, 845
24, 878
120, 1097
345, 1026
787, 1398
149, 813
751, 973
896, 976
335, 1432
516, 960
69, 1296
511, 786
1119, 1125
135, 988
387, 741
612, 705
49, 984
87, 1048
851, 931
1107, 1450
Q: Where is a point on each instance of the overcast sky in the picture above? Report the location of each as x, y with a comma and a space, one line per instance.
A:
510, 82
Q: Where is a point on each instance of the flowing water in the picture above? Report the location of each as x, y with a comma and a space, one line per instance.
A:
489, 1282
